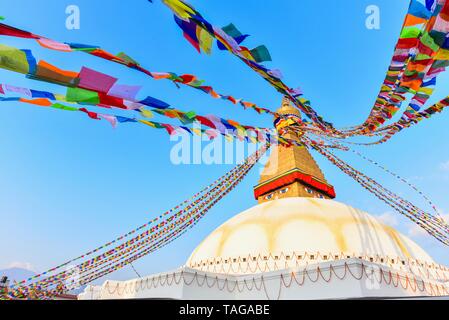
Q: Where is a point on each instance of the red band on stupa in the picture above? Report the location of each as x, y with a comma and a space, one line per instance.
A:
289, 179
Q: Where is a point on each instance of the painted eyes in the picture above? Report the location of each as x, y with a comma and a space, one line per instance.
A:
269, 197
283, 191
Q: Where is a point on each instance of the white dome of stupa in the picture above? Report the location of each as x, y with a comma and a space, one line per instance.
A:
286, 232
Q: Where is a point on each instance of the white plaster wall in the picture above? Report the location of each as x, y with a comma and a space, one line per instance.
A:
194, 286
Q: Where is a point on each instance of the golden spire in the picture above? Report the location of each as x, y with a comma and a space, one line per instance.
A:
291, 171
287, 108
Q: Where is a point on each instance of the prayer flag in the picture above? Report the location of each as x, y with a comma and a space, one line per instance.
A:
96, 81
261, 54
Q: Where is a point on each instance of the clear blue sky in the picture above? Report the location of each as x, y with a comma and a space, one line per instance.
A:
69, 183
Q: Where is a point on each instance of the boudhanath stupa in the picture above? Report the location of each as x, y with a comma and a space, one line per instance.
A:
296, 243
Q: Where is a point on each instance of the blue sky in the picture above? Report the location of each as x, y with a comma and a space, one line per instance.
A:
69, 183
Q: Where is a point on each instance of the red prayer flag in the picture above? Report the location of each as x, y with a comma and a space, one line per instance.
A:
169, 128
407, 43
187, 78
14, 32
92, 115
206, 122
111, 101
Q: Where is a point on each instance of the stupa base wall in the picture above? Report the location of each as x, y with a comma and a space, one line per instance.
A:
342, 279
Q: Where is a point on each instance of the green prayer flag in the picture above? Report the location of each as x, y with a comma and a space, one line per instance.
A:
261, 54
410, 32
422, 95
158, 125
410, 73
440, 64
428, 41
232, 31
188, 117
190, 114
422, 56
438, 37
63, 107
82, 96
196, 83
162, 112
127, 58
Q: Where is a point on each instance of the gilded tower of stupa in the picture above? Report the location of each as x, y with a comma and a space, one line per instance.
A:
291, 171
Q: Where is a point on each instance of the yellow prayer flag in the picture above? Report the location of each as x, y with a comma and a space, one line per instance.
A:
179, 8
146, 113
196, 131
426, 90
442, 54
148, 123
253, 139
205, 40
60, 97
13, 59
229, 138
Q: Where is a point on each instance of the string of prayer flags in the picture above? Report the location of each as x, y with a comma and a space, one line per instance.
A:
92, 79
417, 60
412, 38
157, 233
236, 130
434, 225
233, 32
87, 86
403, 123
205, 42
191, 20
390, 98
87, 97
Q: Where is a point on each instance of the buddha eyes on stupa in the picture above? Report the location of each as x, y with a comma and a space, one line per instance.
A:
283, 191
269, 197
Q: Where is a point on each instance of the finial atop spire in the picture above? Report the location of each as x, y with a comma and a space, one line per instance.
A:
287, 115
288, 108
